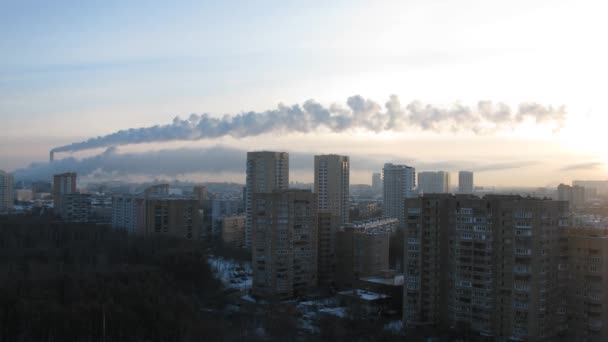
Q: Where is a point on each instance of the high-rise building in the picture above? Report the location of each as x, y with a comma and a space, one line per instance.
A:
201, 192
491, 264
172, 216
157, 190
399, 184
434, 182
221, 208
574, 195
377, 182
587, 284
266, 172
332, 174
6, 191
362, 250
284, 243
465, 182
128, 213
326, 259
63, 184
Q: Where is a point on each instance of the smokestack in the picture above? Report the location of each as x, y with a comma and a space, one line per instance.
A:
51, 156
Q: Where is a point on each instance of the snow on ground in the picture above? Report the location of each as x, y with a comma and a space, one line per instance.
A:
231, 273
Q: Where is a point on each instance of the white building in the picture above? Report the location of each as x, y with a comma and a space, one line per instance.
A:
434, 182
465, 182
399, 184
128, 213
266, 171
377, 182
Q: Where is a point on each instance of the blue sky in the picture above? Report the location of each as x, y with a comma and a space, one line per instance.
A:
70, 70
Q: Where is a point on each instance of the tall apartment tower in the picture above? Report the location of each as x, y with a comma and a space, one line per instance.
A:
490, 264
434, 182
172, 216
575, 195
377, 182
266, 172
6, 191
587, 284
284, 239
63, 184
332, 173
399, 184
465, 182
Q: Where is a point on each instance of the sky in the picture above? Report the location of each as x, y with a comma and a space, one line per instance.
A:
73, 70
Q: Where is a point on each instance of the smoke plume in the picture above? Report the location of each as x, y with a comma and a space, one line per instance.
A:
360, 113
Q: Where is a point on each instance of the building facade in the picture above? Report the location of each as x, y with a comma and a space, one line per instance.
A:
233, 230
63, 184
574, 195
6, 192
266, 172
172, 216
377, 182
128, 213
76, 207
489, 264
466, 183
284, 244
399, 184
332, 173
434, 182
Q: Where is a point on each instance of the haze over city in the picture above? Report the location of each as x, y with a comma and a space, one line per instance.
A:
76, 71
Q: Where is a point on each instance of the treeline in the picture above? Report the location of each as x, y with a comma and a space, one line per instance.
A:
79, 282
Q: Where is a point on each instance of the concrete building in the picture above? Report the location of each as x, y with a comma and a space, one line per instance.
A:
128, 213
6, 192
575, 195
377, 182
284, 244
24, 195
491, 264
399, 184
362, 250
266, 172
332, 174
157, 190
327, 227
172, 216
465, 182
221, 208
434, 182
233, 230
76, 207
63, 184
201, 193
587, 284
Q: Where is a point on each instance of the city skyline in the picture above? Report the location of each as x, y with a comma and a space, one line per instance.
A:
119, 70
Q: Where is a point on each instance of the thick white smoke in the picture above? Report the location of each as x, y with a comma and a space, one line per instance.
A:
360, 113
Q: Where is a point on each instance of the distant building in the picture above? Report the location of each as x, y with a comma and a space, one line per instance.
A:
434, 182
377, 182
399, 184
284, 243
332, 173
574, 195
221, 208
63, 184
76, 207
362, 250
587, 284
128, 213
266, 172
157, 190
491, 264
172, 216
201, 193
599, 187
233, 230
6, 192
24, 195
465, 182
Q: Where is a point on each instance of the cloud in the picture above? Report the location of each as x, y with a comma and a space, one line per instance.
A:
311, 116
583, 166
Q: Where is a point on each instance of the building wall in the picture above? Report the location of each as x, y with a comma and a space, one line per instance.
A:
465, 182
266, 172
332, 174
284, 243
177, 217
233, 230
327, 226
6, 191
128, 213
64, 183
434, 182
76, 207
501, 265
399, 184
